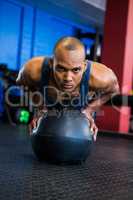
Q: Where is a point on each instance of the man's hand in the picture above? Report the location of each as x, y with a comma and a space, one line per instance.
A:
93, 126
36, 119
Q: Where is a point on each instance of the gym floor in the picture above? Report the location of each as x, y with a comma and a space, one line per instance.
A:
107, 173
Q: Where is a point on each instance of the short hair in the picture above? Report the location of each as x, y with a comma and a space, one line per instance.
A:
69, 43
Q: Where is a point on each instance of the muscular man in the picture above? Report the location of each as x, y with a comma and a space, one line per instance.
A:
68, 75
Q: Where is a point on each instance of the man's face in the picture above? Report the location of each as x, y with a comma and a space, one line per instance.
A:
68, 68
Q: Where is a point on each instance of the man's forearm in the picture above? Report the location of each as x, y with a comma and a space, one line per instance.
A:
102, 97
96, 104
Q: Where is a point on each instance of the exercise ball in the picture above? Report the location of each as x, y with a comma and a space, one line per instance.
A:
63, 138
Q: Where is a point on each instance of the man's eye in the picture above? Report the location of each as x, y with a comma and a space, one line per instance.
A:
76, 70
59, 69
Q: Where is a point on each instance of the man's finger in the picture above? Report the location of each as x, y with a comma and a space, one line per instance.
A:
95, 133
92, 124
95, 137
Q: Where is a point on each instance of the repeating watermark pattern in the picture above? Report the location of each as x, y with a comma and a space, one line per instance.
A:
36, 99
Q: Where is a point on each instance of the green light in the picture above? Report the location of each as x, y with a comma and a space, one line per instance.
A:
24, 116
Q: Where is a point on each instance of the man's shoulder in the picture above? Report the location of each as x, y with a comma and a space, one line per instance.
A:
33, 67
36, 60
99, 68
31, 71
100, 74
40, 61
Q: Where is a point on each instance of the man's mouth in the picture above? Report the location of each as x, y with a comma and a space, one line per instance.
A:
67, 86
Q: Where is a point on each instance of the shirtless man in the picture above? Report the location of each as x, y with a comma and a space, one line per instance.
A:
68, 72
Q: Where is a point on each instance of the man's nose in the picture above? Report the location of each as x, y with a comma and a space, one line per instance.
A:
68, 76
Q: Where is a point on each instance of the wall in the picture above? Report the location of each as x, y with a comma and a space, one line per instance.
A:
26, 32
